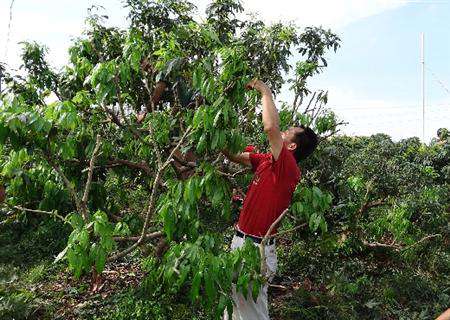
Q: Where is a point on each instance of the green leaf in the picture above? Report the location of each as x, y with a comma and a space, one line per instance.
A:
215, 140
83, 238
195, 287
256, 287
75, 220
184, 271
218, 102
209, 287
199, 114
4, 132
169, 222
121, 229
197, 78
100, 260
242, 284
217, 118
201, 144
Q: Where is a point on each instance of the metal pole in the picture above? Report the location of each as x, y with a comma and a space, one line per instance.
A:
422, 61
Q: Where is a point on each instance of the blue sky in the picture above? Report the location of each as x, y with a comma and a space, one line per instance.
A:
373, 79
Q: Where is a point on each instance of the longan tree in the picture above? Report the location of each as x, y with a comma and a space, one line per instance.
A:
123, 143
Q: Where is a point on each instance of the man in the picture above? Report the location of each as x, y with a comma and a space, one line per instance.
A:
269, 194
444, 316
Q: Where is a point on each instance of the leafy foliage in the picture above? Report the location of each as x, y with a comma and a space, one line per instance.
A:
164, 97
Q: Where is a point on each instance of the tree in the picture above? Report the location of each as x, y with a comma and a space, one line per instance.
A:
76, 146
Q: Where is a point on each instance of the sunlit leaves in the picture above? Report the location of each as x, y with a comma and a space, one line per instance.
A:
210, 274
102, 80
134, 50
215, 127
13, 165
311, 204
63, 114
325, 122
111, 76
89, 244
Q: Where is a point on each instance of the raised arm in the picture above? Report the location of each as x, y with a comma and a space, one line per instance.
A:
270, 118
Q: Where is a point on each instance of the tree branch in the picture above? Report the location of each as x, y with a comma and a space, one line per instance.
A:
264, 241
66, 181
431, 236
89, 179
232, 175
114, 117
134, 165
151, 201
309, 103
397, 247
288, 231
370, 204
157, 234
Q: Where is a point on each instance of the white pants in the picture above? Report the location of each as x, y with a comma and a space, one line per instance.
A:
247, 309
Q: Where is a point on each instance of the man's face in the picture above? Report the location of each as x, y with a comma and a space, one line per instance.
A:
289, 134
288, 137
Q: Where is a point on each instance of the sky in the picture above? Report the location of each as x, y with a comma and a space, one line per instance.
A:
373, 80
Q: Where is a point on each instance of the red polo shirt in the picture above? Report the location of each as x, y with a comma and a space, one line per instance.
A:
270, 191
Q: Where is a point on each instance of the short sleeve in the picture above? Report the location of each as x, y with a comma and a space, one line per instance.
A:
285, 167
255, 160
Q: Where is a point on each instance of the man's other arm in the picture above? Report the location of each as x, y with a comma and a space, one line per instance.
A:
241, 158
270, 118
444, 316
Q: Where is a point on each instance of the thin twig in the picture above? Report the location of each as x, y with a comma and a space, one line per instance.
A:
309, 104
146, 221
288, 231
155, 145
185, 163
170, 158
232, 175
125, 118
398, 247
422, 240
114, 117
51, 213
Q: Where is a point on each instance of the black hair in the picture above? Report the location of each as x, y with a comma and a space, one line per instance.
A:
306, 143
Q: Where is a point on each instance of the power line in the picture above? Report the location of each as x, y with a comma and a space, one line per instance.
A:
374, 107
9, 30
441, 83
425, 1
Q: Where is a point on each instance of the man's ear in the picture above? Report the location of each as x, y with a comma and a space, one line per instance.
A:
292, 146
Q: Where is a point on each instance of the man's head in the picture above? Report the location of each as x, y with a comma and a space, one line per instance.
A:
302, 141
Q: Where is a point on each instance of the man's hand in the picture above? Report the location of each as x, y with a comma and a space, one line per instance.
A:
141, 116
241, 158
259, 86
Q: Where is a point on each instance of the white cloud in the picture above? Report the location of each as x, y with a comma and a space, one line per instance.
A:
50, 22
54, 22
328, 13
399, 119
